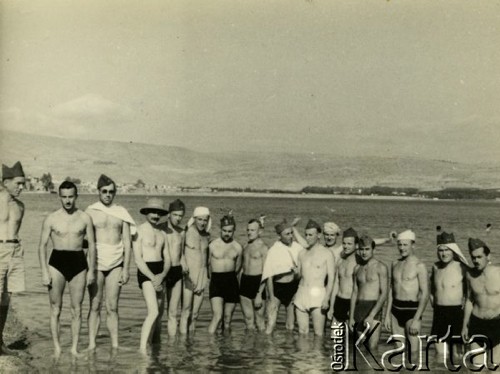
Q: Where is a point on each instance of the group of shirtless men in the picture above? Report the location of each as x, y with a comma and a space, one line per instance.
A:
312, 278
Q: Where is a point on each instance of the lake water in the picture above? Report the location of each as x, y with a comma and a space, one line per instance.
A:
238, 350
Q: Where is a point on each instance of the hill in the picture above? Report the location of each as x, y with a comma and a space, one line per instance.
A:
179, 166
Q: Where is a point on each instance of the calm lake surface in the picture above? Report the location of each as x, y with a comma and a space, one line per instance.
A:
238, 349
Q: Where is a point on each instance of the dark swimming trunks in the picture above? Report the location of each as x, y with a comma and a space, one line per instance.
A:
69, 263
156, 267
224, 285
341, 309
107, 272
403, 310
173, 276
447, 315
285, 292
486, 327
363, 308
249, 285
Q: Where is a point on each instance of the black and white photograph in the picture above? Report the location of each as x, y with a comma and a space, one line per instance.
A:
254, 186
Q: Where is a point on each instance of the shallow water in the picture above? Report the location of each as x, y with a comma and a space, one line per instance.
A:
239, 349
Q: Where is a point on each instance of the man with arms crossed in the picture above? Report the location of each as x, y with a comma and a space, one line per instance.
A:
224, 258
66, 228
369, 291
447, 296
113, 227
173, 281
409, 293
482, 307
195, 276
316, 265
281, 274
251, 287
11, 252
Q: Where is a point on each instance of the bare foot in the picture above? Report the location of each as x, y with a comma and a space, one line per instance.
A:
76, 354
57, 353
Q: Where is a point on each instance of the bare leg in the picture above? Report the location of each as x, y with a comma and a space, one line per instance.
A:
273, 306
77, 292
197, 301
290, 317
260, 320
318, 319
113, 289
149, 294
173, 306
56, 291
228, 315
248, 312
94, 317
302, 321
187, 302
160, 298
217, 308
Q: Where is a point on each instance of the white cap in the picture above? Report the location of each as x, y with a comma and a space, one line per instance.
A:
331, 227
406, 235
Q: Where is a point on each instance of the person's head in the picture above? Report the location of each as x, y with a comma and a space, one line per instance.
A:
154, 210
285, 232
445, 254
349, 241
366, 248
448, 250
201, 217
330, 233
253, 229
406, 243
176, 210
313, 233
479, 253
107, 189
68, 194
13, 179
227, 227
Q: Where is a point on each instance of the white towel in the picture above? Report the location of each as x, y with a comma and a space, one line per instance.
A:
116, 211
281, 259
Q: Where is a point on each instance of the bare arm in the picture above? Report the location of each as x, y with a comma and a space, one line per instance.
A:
423, 285
139, 261
432, 286
387, 321
354, 297
467, 313
127, 240
330, 268
167, 260
383, 289
299, 238
42, 251
239, 258
91, 253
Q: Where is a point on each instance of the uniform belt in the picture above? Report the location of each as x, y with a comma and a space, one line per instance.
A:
10, 241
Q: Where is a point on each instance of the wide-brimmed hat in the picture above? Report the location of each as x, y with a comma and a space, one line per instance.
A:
154, 204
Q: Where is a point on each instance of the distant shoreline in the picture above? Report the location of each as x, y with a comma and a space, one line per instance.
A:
274, 195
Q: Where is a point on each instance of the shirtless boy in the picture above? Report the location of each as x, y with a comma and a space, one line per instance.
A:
369, 291
112, 225
251, 287
224, 258
153, 262
195, 275
66, 228
173, 282
482, 308
448, 288
343, 286
316, 266
409, 292
11, 252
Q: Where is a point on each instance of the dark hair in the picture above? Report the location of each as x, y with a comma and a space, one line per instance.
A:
67, 185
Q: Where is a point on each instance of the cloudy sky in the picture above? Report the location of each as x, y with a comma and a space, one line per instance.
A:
348, 77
